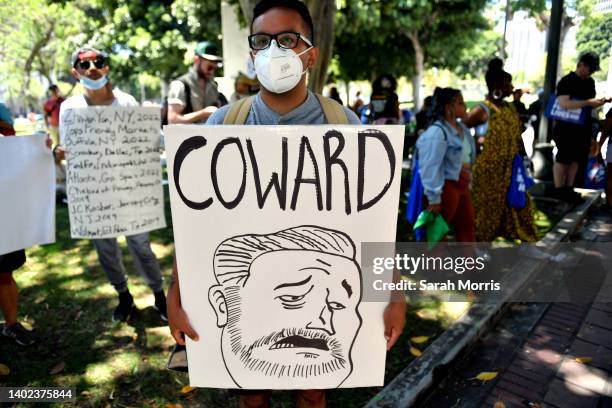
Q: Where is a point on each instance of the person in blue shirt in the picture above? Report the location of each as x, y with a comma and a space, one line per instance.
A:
282, 100
6, 121
446, 152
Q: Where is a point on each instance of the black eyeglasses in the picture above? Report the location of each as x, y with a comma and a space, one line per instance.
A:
99, 63
286, 40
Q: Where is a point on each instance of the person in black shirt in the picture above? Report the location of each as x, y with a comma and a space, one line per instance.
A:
576, 90
606, 132
521, 109
422, 117
384, 102
534, 111
335, 95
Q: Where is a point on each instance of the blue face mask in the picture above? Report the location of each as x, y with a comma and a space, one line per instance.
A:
93, 84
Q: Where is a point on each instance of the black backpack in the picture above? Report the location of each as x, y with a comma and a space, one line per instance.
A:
188, 107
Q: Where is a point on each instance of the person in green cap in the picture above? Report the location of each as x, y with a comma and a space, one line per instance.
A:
193, 97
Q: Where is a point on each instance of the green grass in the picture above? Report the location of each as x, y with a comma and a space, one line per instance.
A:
66, 297
25, 129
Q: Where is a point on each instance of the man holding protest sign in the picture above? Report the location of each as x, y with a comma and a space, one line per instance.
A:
91, 67
283, 50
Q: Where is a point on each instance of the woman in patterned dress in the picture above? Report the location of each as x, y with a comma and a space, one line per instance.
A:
493, 169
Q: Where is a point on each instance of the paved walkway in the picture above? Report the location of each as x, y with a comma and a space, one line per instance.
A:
545, 369
534, 349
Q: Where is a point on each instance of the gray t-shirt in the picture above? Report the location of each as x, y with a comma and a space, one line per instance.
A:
308, 113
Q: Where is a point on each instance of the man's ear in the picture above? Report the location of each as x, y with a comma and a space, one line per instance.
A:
313, 56
74, 73
217, 301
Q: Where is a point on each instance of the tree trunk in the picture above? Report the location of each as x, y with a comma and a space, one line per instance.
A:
419, 69
44, 70
348, 93
322, 12
503, 42
567, 23
247, 7
164, 89
143, 92
27, 69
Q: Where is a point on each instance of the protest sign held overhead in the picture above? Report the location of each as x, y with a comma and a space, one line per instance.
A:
268, 225
114, 172
27, 188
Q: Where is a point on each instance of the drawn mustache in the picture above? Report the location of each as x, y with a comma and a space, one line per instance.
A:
300, 341
293, 337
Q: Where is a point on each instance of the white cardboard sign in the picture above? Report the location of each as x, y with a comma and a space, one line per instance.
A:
268, 225
113, 175
27, 193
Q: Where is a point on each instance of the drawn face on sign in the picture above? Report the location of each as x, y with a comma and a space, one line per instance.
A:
293, 319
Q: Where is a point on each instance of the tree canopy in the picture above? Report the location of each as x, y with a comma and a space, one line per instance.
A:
595, 35
36, 42
404, 37
149, 41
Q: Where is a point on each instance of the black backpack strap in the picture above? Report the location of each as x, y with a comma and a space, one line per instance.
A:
188, 107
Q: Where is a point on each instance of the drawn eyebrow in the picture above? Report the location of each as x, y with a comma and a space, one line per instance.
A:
323, 262
348, 288
315, 268
284, 285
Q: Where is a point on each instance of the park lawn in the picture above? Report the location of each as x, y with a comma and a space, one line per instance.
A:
25, 129
65, 296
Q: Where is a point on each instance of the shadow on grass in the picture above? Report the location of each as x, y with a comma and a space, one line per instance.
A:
67, 298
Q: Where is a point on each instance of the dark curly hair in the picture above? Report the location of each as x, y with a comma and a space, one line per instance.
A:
496, 76
442, 97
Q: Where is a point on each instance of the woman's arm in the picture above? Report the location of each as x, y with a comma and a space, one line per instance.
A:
476, 116
431, 148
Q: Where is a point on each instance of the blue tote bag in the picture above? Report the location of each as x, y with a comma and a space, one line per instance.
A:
595, 177
520, 182
414, 207
556, 112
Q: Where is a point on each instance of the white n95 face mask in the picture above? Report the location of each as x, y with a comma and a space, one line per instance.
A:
279, 70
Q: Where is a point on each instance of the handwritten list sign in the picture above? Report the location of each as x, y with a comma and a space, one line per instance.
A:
114, 171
